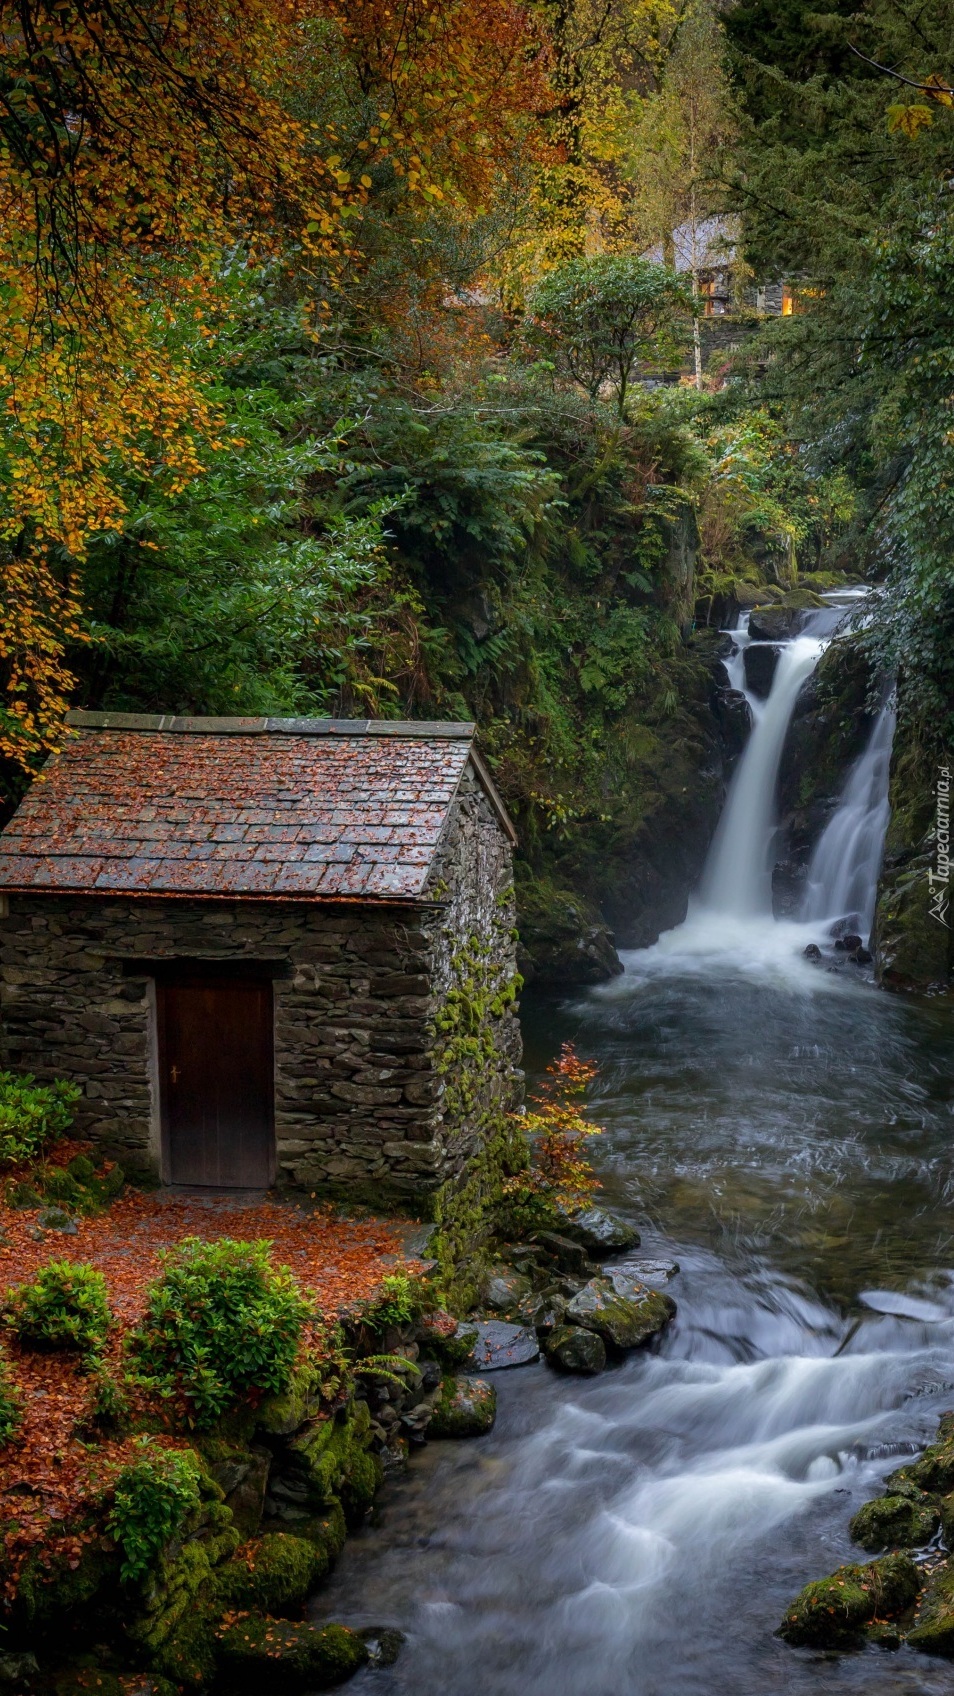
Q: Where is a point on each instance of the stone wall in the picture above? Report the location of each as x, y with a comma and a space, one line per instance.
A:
362, 1104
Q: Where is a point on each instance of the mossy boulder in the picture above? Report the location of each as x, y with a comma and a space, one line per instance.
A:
50, 1590
833, 1612
598, 1232
895, 1522
272, 1575
466, 1407
265, 1654
933, 1471
620, 1310
326, 1531
933, 1632
570, 1348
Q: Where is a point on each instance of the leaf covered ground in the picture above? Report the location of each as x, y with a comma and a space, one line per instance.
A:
56, 1462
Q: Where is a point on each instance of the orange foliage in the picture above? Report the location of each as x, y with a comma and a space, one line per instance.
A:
46, 1470
559, 1131
138, 144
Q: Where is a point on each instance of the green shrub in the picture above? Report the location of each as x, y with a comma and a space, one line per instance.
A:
32, 1115
219, 1321
401, 1300
10, 1414
65, 1307
152, 1499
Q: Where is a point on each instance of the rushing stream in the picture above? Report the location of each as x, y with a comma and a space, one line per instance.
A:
784, 1133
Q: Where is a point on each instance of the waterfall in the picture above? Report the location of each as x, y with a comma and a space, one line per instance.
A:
738, 877
843, 874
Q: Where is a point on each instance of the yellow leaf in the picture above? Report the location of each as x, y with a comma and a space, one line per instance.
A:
909, 119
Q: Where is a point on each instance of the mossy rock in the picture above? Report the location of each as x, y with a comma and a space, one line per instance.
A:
933, 1632
621, 1311
272, 1575
86, 1677
49, 1592
832, 1613
280, 1415
326, 1532
466, 1407
330, 1457
268, 1654
895, 1522
933, 1471
572, 1349
364, 1478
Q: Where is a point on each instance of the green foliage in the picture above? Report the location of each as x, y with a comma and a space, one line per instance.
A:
32, 1115
65, 1307
10, 1409
401, 1300
152, 1500
220, 1322
600, 318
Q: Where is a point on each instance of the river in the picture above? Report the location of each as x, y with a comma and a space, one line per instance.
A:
785, 1133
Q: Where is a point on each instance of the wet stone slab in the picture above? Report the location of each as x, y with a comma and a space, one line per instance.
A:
499, 1345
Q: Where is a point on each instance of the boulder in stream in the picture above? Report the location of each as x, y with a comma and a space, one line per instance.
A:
498, 1345
257, 1652
570, 1348
833, 1612
504, 1289
624, 1313
760, 663
895, 1522
933, 1631
466, 1407
598, 1232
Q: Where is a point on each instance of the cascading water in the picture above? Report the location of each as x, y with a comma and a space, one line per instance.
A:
640, 1533
843, 874
738, 877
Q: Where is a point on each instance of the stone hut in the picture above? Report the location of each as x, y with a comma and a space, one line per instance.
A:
269, 951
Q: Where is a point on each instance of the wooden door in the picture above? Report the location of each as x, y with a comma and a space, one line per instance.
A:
216, 1081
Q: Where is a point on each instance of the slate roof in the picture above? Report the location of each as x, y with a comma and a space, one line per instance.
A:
325, 808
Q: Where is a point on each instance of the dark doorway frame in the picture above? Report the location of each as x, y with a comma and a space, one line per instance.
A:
184, 974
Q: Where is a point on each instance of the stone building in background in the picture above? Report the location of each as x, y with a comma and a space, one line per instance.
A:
267, 950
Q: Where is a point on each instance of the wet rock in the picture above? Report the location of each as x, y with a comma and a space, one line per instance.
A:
267, 1654
760, 666
563, 1253
383, 1643
778, 623
655, 1273
56, 1219
246, 1498
895, 1522
933, 1631
935, 1469
845, 927
862, 957
498, 1345
466, 1407
17, 1671
598, 1232
624, 1313
273, 1575
813, 952
503, 1290
564, 939
849, 943
570, 1348
543, 1312
832, 1613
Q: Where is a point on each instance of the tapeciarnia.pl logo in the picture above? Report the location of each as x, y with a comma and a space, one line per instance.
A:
939, 876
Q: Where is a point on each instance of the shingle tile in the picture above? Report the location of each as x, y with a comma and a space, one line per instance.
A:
198, 811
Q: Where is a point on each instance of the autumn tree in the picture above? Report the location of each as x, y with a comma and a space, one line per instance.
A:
141, 145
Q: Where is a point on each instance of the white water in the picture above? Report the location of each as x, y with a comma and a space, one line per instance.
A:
738, 878
730, 926
843, 874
